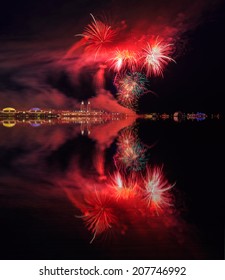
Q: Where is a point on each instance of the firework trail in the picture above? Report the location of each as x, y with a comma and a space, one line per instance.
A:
156, 189
156, 57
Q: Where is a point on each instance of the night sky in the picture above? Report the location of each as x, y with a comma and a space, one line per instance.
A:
35, 35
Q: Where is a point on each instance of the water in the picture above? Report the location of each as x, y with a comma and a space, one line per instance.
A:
61, 196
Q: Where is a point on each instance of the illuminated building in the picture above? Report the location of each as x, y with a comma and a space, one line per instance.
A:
9, 123
35, 110
88, 106
9, 110
82, 106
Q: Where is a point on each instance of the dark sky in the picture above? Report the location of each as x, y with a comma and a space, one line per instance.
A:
31, 30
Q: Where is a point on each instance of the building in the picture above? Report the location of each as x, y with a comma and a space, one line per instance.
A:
9, 110
88, 106
9, 123
35, 110
82, 106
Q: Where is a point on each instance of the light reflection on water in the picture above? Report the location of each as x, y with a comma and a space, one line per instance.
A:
101, 178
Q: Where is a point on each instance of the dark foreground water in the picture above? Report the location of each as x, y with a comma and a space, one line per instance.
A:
147, 190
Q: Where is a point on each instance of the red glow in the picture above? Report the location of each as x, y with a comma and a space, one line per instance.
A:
104, 45
124, 55
113, 204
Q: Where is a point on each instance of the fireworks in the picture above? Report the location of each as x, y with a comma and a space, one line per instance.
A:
123, 188
130, 87
99, 216
132, 61
98, 35
131, 153
156, 57
132, 82
123, 60
156, 193
134, 187
118, 199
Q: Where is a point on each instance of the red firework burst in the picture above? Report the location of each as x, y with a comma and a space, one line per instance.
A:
99, 216
156, 193
156, 57
98, 35
123, 188
123, 60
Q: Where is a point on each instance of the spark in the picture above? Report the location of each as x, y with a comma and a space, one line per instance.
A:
156, 57
98, 35
130, 87
156, 193
100, 215
131, 153
123, 60
123, 188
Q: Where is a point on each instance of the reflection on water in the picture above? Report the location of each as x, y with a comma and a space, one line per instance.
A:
131, 152
94, 182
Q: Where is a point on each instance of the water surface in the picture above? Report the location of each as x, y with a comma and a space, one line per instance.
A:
124, 189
